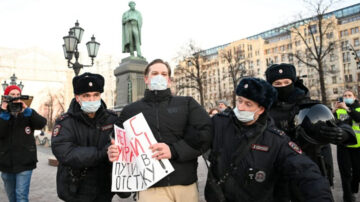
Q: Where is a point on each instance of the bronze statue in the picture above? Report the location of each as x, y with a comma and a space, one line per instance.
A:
131, 31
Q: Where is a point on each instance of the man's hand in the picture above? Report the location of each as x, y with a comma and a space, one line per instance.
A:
4, 105
333, 134
113, 152
160, 151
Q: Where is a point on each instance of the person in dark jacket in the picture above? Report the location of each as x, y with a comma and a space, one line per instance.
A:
249, 154
182, 128
293, 96
79, 142
18, 155
347, 111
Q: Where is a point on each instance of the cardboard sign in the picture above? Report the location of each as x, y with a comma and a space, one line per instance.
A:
135, 169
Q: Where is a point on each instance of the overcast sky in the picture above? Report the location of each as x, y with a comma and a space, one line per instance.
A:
167, 24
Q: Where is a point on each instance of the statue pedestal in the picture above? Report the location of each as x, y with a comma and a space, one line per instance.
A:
130, 85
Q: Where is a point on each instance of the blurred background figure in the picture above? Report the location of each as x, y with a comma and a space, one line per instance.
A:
347, 110
213, 111
223, 105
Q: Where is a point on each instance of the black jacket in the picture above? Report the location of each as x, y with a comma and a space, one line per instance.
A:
80, 145
181, 123
17, 142
271, 156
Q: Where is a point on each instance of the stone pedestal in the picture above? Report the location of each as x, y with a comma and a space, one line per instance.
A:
130, 85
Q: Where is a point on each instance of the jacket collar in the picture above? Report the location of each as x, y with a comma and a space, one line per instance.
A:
157, 95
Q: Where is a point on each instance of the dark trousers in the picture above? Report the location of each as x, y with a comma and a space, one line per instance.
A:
349, 166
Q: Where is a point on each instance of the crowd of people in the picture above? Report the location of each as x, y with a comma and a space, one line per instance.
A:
273, 145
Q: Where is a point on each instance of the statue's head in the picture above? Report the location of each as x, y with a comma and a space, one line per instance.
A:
132, 4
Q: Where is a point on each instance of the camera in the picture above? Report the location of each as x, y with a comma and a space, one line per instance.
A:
12, 106
340, 99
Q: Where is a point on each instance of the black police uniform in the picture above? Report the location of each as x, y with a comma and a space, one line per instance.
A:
80, 145
272, 156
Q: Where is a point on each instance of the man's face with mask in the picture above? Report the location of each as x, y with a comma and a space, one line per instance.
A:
90, 102
284, 87
156, 70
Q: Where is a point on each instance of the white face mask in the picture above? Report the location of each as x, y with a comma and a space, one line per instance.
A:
158, 83
90, 106
244, 116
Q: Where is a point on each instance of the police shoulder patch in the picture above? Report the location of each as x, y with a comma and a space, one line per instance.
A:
56, 130
295, 147
62, 117
277, 131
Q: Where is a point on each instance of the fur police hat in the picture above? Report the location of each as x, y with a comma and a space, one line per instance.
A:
280, 71
88, 82
258, 91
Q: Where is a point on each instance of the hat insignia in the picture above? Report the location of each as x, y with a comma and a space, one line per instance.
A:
280, 71
90, 84
246, 85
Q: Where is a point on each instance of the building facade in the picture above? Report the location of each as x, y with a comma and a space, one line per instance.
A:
281, 45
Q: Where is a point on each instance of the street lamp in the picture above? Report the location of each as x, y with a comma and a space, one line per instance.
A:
13, 79
70, 48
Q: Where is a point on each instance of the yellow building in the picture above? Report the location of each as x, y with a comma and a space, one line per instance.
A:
281, 45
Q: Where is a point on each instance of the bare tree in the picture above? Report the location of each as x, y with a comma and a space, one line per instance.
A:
194, 72
52, 107
236, 64
317, 36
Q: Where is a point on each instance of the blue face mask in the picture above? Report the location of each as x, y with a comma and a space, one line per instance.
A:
90, 106
244, 116
158, 83
349, 101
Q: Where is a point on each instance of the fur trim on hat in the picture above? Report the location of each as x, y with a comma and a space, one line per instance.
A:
258, 91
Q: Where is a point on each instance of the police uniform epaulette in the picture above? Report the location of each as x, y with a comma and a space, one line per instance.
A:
62, 117
277, 131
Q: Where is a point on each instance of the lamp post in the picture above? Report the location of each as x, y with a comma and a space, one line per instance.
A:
13, 79
70, 48
356, 56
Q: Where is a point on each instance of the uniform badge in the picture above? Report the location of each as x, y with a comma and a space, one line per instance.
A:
56, 130
281, 71
260, 176
90, 84
28, 130
259, 147
107, 127
246, 85
295, 147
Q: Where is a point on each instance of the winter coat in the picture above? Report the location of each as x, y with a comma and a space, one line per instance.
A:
17, 142
272, 156
80, 145
182, 124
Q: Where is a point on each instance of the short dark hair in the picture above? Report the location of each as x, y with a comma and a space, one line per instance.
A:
147, 69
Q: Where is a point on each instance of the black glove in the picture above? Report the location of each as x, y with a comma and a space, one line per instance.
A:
333, 134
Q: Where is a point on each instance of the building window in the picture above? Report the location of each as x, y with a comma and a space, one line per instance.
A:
257, 62
358, 76
297, 43
346, 78
350, 78
276, 59
282, 57
344, 45
335, 90
333, 68
291, 58
332, 57
356, 42
329, 35
334, 79
354, 30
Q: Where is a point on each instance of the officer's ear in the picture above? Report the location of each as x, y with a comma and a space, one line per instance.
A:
77, 98
261, 110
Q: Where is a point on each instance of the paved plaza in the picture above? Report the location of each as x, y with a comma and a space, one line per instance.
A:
43, 184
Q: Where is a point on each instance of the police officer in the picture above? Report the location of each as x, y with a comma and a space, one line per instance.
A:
79, 142
249, 154
347, 110
292, 96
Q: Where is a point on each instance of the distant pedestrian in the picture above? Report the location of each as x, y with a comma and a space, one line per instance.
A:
18, 155
347, 110
213, 111
223, 105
